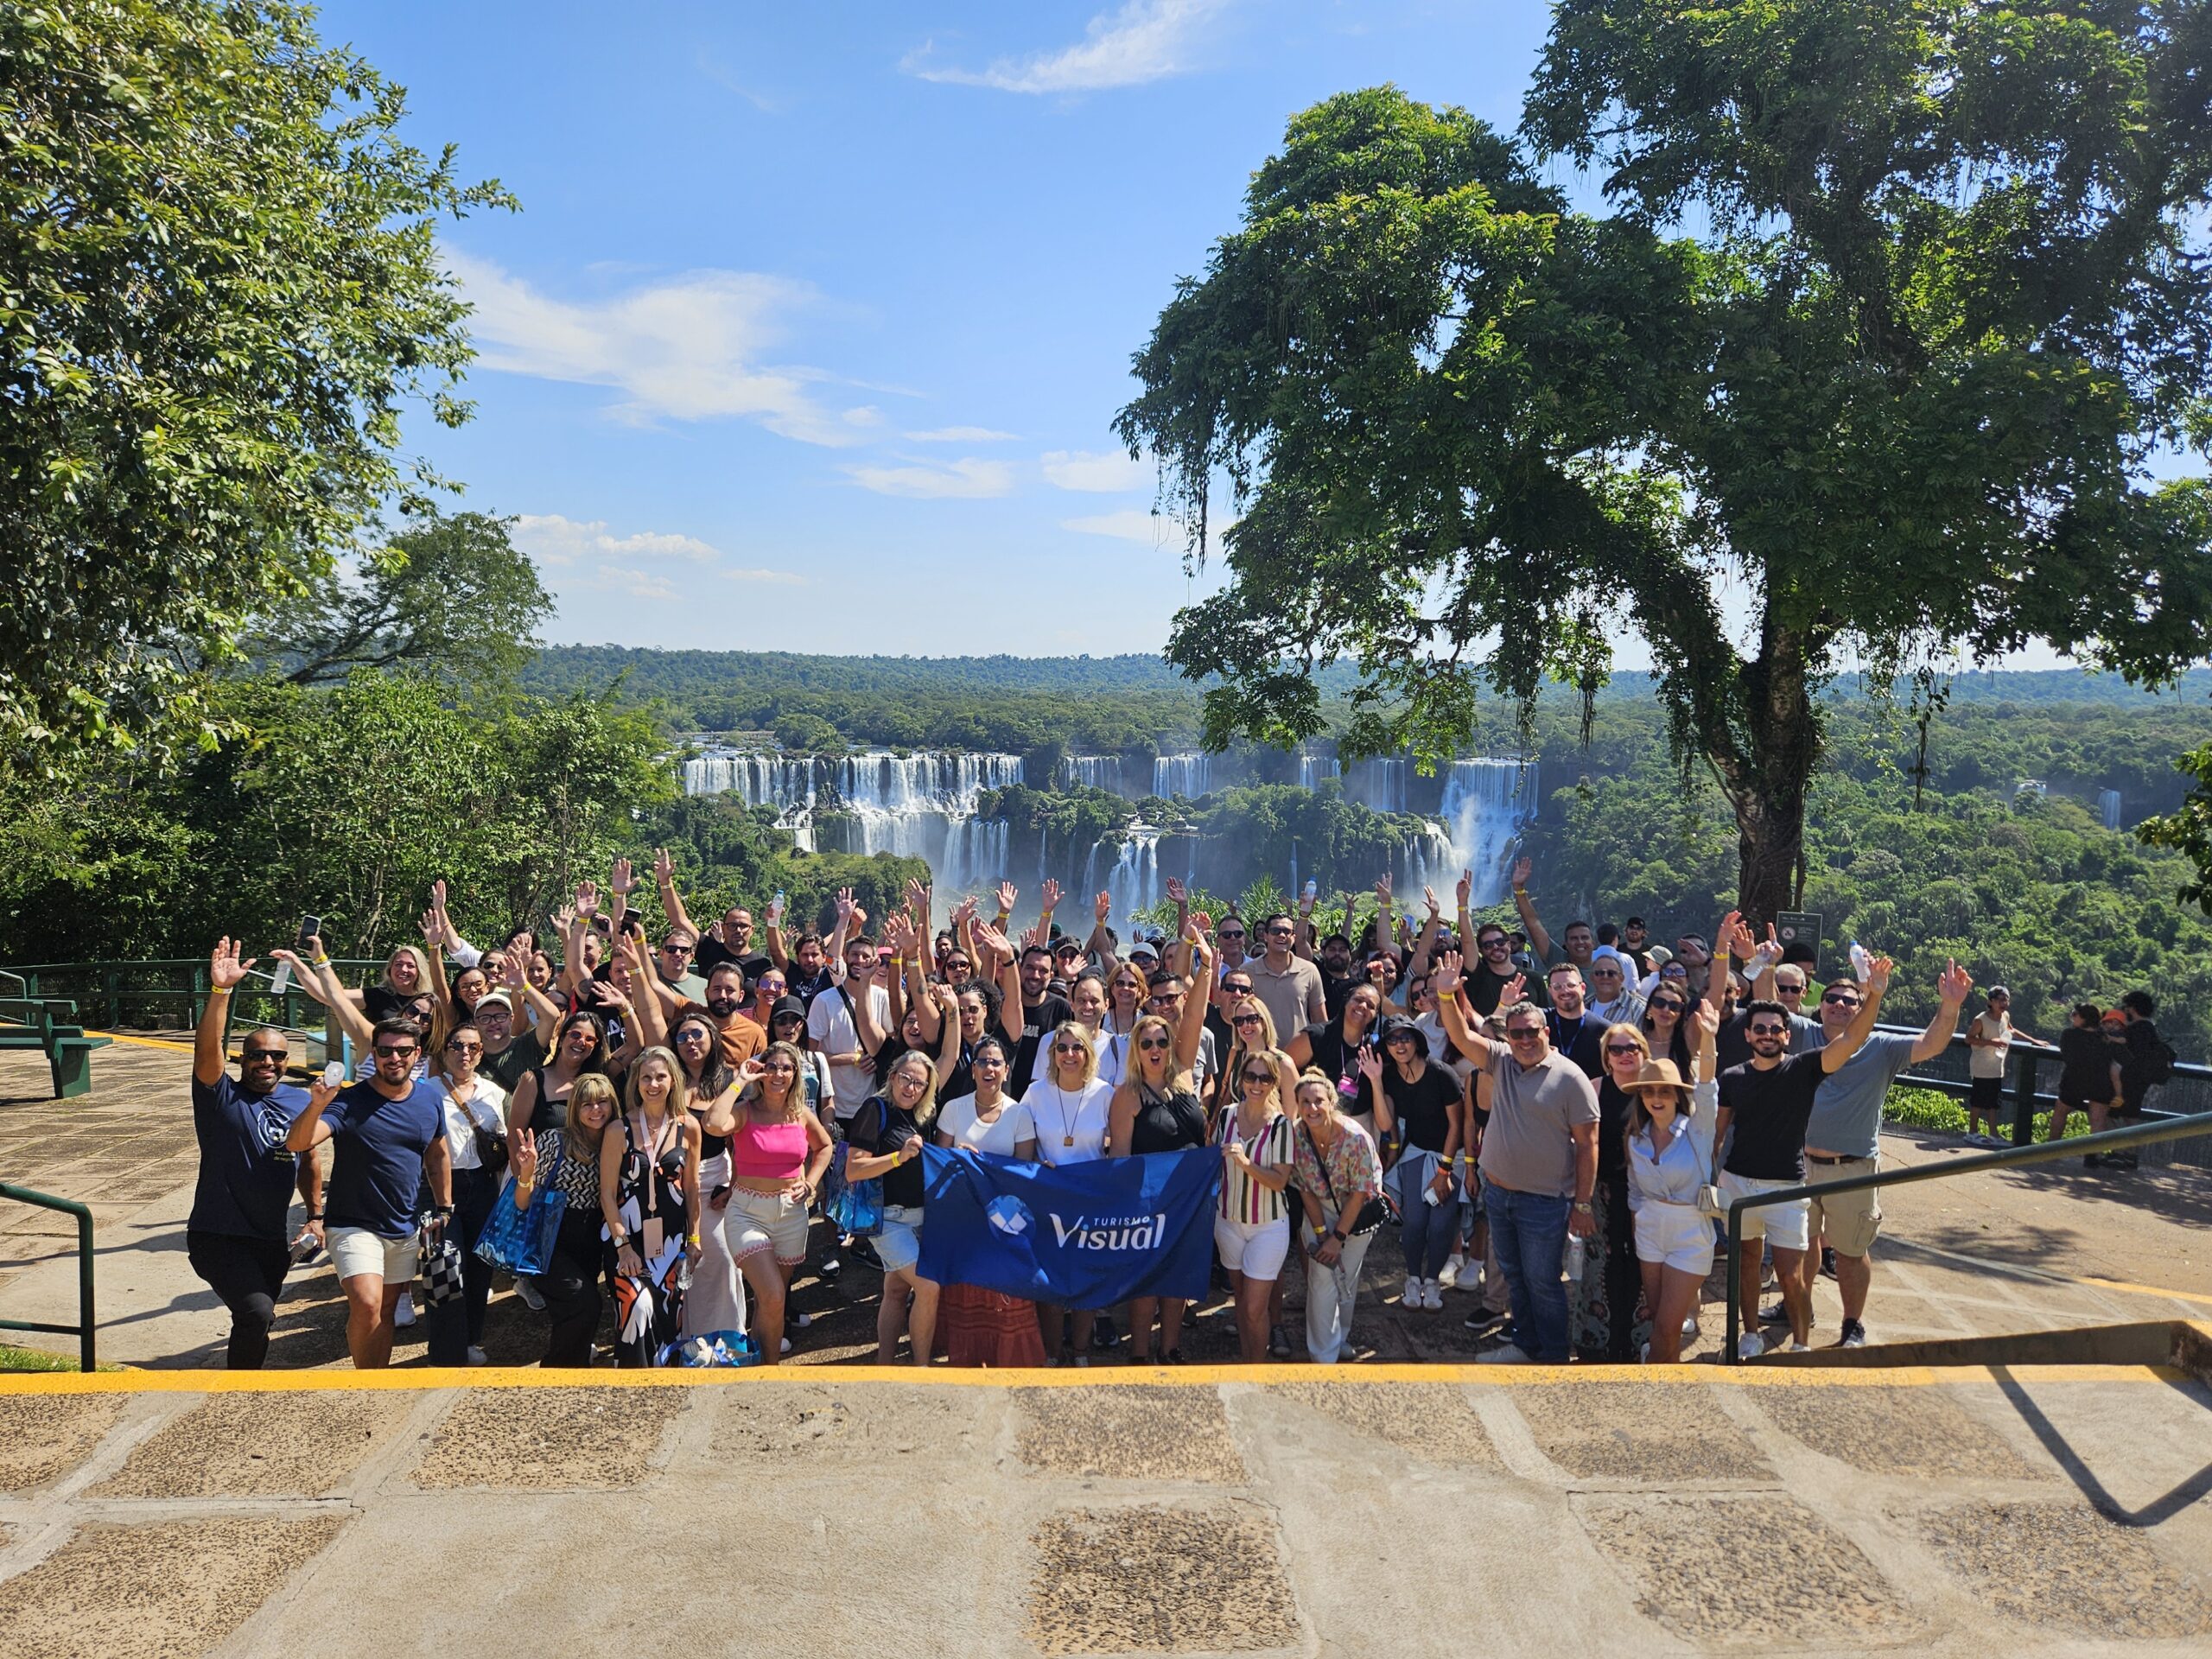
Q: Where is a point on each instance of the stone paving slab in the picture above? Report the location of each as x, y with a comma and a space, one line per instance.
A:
1222, 1509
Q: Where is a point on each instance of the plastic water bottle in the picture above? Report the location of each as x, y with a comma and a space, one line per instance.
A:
1862, 961
1571, 1259
1312, 889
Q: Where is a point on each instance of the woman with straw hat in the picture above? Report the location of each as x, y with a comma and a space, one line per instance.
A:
1669, 1155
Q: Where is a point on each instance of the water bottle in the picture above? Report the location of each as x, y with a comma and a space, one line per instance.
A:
1862, 961
281, 981
1571, 1259
304, 1248
1312, 889
779, 899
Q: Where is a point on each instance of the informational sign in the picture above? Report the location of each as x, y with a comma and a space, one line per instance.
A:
1791, 926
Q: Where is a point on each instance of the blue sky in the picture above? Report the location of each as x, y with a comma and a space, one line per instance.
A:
811, 328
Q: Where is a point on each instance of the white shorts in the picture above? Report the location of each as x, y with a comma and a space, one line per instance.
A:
356, 1250
1786, 1226
1255, 1248
1675, 1235
764, 1221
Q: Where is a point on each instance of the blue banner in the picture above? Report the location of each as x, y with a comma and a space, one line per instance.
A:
1085, 1236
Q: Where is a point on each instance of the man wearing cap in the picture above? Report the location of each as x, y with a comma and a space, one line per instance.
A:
235, 1237
1287, 985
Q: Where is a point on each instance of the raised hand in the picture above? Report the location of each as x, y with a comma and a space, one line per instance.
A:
321, 1094
225, 970
1007, 894
587, 900
564, 917
664, 869
623, 883
989, 938
1955, 986
515, 975
1203, 922
1031, 936
438, 895
964, 911
522, 1153
434, 931
1177, 893
1051, 895
775, 912
1466, 888
845, 905
1523, 867
1428, 898
1705, 1018
1370, 1063
1103, 906
1382, 890
1516, 989
1444, 974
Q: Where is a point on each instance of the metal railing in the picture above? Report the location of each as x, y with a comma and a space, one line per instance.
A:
85, 1329
122, 994
2178, 1128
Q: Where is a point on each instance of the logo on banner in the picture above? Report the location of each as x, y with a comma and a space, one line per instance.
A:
1007, 1215
1120, 1233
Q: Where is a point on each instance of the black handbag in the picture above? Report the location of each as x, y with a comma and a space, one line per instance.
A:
491, 1144
1370, 1213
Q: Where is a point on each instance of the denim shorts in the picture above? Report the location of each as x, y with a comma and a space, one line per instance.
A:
898, 1246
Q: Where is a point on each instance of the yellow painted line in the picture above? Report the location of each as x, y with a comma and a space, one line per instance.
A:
2145, 1290
483, 1377
143, 1042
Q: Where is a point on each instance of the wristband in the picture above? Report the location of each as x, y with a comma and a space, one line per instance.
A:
214, 991
315, 1215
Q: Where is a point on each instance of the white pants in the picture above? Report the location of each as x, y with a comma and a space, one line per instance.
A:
1330, 1294
715, 1301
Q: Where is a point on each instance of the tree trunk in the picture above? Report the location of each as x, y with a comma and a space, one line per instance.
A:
1784, 747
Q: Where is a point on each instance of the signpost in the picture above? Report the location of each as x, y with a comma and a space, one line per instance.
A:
1792, 926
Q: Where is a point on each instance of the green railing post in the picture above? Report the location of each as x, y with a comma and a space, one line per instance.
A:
85, 1329
2025, 1062
111, 980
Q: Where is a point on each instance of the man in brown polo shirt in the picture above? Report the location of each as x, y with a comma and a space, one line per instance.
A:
1289, 985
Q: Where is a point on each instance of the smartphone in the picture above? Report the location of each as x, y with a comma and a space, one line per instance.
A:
310, 934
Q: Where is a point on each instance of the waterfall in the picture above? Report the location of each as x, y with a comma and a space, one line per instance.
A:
1134, 879
1313, 770
2109, 807
1187, 775
917, 805
1379, 785
1485, 804
1094, 772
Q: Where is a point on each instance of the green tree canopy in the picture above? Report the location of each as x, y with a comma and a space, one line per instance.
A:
217, 285
452, 596
1947, 292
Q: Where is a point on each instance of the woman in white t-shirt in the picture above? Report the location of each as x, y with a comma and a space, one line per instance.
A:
976, 1327
470, 1104
1069, 1109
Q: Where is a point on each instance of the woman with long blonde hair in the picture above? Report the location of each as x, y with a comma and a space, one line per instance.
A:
1069, 1104
649, 1198
778, 1152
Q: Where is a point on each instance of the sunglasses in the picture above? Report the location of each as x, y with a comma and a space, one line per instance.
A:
1523, 1033
1399, 1037
1259, 1077
1666, 1006
1768, 1030
693, 1034
1494, 945
276, 1056
1071, 1048
398, 1052
1623, 1048
1230, 934
983, 1062
1152, 1042
1842, 999
1246, 1020
675, 950
464, 1048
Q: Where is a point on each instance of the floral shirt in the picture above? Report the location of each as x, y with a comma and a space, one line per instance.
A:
1330, 1174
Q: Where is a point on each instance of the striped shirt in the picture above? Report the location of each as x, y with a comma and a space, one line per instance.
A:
1242, 1198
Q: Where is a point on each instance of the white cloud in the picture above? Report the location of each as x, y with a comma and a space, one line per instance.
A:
960, 435
639, 584
687, 349
561, 543
1130, 526
967, 478
1145, 40
781, 578
1076, 469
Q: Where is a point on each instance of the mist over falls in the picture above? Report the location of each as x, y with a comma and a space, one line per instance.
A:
1173, 817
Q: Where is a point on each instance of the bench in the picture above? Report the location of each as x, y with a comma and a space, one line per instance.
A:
50, 1025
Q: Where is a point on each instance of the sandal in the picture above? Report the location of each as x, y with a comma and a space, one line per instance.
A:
1174, 1355
1279, 1343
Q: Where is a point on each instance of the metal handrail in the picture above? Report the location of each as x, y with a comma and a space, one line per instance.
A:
2172, 1129
84, 1329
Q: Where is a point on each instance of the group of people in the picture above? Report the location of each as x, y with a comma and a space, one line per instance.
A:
1554, 1128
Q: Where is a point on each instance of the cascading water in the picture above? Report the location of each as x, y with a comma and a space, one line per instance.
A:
1313, 770
1486, 805
1188, 775
910, 805
1094, 772
1133, 883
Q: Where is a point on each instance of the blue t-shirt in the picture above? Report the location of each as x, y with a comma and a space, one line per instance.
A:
246, 1175
1848, 1107
377, 1162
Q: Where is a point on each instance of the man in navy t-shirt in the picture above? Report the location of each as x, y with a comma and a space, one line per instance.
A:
235, 1237
387, 1134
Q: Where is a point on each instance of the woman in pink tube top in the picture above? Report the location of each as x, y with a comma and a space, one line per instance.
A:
777, 1151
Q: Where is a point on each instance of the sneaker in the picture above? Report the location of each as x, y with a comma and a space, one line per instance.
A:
2094, 1160
1083, 1362
1689, 1331
1828, 1262
1103, 1336
1485, 1321
831, 1266
786, 1348
1449, 1275
1412, 1296
532, 1298
2123, 1160
799, 1321
1432, 1296
477, 1355
1750, 1345
1508, 1355
1796, 1347
1854, 1335
1643, 1354
1777, 1315
403, 1315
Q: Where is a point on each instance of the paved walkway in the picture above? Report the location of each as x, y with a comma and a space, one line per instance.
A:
1278, 1510
2042, 1249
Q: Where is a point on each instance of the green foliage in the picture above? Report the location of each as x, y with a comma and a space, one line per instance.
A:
218, 282
2188, 828
448, 596
1946, 298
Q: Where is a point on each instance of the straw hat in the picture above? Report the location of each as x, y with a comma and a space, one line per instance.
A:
1661, 1074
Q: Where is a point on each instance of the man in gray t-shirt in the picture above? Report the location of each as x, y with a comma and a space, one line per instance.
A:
1843, 1137
1539, 1162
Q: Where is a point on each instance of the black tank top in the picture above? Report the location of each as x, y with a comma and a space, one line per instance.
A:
1170, 1122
